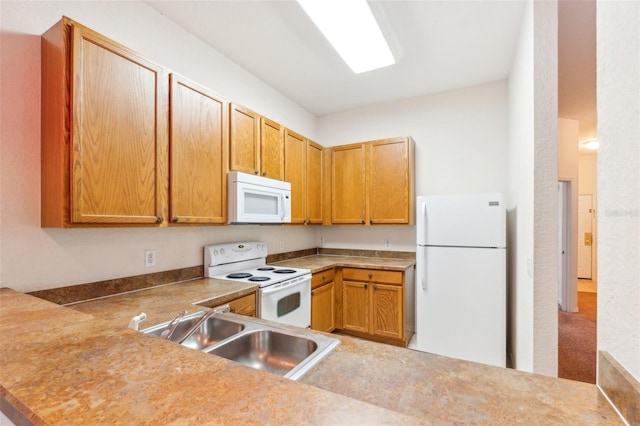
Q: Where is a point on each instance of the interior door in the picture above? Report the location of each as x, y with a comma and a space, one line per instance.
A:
585, 235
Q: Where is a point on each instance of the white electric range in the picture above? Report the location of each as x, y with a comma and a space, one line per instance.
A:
284, 294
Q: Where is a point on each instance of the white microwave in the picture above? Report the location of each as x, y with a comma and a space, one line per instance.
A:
257, 199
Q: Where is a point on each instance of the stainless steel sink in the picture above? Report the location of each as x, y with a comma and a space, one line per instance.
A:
249, 341
213, 330
267, 350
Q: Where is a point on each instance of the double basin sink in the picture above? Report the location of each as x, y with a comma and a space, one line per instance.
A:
251, 342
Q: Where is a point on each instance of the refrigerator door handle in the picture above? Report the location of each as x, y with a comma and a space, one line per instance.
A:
422, 272
421, 222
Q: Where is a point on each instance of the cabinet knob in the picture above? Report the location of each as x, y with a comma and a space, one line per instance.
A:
264, 173
366, 285
375, 286
256, 172
362, 221
370, 221
232, 310
324, 278
159, 219
175, 219
370, 275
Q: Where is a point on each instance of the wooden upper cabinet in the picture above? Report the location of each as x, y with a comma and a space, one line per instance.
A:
244, 140
348, 190
295, 172
315, 183
198, 154
271, 149
104, 131
373, 182
390, 182
256, 144
304, 162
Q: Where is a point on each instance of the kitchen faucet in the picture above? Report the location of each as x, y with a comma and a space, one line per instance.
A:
168, 332
203, 318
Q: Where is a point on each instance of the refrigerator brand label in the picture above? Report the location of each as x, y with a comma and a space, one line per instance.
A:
494, 203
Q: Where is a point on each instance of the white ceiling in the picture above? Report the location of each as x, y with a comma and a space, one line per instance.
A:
444, 45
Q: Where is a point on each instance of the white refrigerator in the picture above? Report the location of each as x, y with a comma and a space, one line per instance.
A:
461, 277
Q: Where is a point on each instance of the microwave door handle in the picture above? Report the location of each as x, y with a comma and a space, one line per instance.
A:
283, 206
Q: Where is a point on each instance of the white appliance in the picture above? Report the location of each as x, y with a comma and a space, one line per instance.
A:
257, 199
284, 295
461, 277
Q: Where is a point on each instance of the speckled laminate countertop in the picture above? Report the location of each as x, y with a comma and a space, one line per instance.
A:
83, 366
320, 262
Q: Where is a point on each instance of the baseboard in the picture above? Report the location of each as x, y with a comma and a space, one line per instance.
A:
622, 389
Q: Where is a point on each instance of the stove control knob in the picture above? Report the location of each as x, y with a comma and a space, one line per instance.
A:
215, 252
263, 247
221, 252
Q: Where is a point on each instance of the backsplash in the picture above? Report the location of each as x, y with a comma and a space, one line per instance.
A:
88, 291
82, 292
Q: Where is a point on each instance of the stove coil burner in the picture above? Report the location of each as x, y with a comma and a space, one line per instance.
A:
239, 275
284, 271
266, 268
259, 279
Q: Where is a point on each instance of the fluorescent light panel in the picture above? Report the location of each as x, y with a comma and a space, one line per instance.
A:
352, 30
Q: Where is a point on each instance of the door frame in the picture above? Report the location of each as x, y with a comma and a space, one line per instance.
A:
567, 233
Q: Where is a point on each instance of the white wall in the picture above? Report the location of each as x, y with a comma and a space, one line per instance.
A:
32, 258
618, 48
532, 193
520, 198
545, 202
461, 146
588, 173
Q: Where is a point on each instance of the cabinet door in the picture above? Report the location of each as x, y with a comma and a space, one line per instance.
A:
118, 148
244, 140
295, 172
323, 308
387, 313
390, 182
355, 306
315, 177
245, 305
198, 141
348, 184
272, 149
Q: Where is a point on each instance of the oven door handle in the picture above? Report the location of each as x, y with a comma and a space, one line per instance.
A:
280, 287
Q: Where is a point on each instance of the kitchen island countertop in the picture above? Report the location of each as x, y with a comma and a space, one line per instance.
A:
83, 365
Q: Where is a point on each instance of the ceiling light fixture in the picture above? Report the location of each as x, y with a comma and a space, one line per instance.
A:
352, 30
592, 144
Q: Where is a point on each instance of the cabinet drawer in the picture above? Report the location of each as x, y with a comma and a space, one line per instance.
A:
372, 275
320, 278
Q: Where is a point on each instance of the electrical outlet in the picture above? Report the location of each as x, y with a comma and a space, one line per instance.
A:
530, 266
281, 245
387, 244
321, 241
149, 258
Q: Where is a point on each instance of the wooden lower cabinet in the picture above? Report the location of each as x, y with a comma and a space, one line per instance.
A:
244, 305
373, 305
323, 301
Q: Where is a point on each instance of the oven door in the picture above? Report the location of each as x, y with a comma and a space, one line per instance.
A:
288, 302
